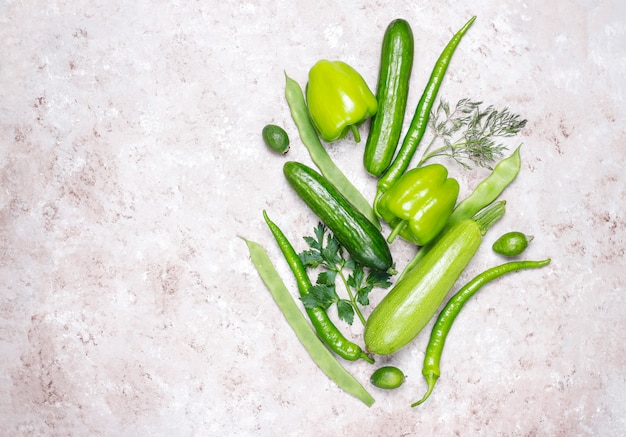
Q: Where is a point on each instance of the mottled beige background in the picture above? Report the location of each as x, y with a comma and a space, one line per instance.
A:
131, 158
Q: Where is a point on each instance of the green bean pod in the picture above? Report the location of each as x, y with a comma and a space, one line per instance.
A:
432, 357
324, 327
318, 352
488, 189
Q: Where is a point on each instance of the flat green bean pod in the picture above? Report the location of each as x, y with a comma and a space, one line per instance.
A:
316, 349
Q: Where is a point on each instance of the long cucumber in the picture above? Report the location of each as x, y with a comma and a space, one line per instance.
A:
353, 230
396, 63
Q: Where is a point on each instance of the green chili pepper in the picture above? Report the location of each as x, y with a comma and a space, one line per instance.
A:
319, 155
325, 328
422, 113
338, 100
313, 345
418, 205
445, 319
484, 194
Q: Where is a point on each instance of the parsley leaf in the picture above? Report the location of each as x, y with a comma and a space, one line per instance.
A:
326, 252
320, 295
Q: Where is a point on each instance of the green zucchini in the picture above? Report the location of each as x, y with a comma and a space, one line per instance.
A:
396, 62
414, 299
353, 230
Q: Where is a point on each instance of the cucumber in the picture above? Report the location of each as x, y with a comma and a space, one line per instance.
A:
355, 232
396, 62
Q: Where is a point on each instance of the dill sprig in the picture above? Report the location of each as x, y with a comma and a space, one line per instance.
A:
467, 133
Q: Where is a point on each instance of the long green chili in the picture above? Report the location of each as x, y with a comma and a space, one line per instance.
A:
325, 328
314, 346
319, 155
432, 357
422, 113
484, 194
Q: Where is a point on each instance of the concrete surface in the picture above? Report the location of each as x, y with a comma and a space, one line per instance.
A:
131, 159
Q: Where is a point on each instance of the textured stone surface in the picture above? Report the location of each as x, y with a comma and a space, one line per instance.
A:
131, 158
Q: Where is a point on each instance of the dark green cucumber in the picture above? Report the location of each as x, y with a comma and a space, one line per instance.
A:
353, 230
396, 62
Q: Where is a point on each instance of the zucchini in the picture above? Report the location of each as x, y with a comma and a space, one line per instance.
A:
414, 299
355, 232
396, 62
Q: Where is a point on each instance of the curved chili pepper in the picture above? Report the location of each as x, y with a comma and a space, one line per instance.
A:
422, 113
442, 326
324, 327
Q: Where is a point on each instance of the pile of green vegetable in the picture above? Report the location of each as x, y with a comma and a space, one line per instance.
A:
419, 205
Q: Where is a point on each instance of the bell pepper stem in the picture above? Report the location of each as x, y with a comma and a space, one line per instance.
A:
396, 230
355, 132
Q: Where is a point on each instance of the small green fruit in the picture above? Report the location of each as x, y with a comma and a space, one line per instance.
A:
387, 377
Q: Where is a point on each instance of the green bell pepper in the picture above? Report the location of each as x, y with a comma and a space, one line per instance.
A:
419, 203
338, 100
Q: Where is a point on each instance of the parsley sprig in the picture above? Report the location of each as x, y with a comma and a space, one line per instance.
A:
467, 133
328, 254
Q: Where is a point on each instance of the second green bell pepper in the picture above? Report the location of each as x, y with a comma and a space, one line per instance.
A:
338, 99
419, 203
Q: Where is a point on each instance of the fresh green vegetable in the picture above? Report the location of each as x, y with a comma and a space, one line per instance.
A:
338, 99
353, 230
316, 349
418, 205
387, 377
442, 326
476, 143
319, 155
326, 251
484, 194
420, 119
414, 299
276, 138
488, 189
512, 243
324, 327
396, 62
